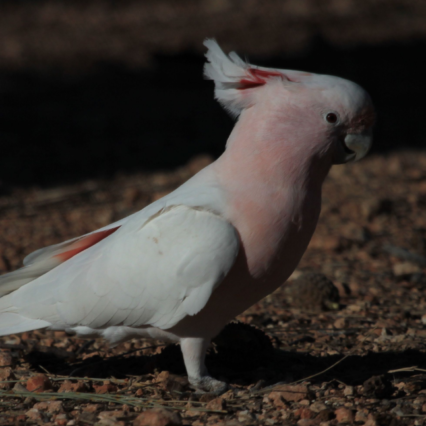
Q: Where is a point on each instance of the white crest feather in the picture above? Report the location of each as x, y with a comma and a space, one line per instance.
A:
226, 71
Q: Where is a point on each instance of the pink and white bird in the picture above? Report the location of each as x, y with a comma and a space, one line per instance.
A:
180, 269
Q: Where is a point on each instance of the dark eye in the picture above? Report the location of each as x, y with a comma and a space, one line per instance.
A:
331, 117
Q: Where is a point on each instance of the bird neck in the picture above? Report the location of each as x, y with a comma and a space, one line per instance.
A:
273, 178
265, 148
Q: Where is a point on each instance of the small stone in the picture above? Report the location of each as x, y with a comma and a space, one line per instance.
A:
38, 383
19, 388
340, 323
307, 422
405, 268
245, 416
304, 413
325, 415
361, 415
105, 388
6, 373
5, 359
348, 391
159, 417
68, 386
317, 407
207, 397
217, 404
375, 206
290, 392
53, 407
92, 408
61, 419
371, 420
189, 412
344, 415
41, 406
111, 414
322, 242
276, 399
33, 414
170, 382
164, 375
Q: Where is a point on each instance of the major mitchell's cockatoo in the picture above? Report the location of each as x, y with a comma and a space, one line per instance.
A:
180, 269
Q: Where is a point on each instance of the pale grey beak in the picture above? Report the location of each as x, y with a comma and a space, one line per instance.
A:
360, 144
354, 147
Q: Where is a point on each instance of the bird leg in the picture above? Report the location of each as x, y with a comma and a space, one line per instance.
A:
194, 352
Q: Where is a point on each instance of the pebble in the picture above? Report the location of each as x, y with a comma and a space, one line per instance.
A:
68, 386
105, 388
38, 383
5, 359
344, 415
348, 391
289, 393
33, 414
217, 404
54, 407
405, 268
159, 417
6, 373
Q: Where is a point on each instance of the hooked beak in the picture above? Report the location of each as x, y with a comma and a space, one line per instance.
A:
354, 147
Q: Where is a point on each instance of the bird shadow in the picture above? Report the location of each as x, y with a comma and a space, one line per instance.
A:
241, 355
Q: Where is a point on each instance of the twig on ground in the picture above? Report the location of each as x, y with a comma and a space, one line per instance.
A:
269, 388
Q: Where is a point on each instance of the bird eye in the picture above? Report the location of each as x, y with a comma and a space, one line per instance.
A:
331, 117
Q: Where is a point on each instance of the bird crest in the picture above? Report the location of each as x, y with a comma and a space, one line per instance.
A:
234, 78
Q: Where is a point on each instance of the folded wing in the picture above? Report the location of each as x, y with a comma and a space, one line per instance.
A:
150, 273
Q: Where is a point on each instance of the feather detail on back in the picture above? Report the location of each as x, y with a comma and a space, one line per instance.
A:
232, 76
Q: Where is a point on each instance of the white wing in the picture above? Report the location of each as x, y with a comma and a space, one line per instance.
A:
152, 272
43, 260
200, 190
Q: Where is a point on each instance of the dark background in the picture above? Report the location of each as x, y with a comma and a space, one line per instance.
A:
91, 88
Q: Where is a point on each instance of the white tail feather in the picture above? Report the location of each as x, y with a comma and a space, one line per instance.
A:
45, 253
11, 323
43, 260
16, 279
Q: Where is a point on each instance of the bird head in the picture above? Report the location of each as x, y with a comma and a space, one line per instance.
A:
319, 105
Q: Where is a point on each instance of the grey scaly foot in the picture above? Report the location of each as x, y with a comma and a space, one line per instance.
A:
194, 352
208, 384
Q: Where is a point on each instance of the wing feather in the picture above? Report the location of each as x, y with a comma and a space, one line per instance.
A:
151, 274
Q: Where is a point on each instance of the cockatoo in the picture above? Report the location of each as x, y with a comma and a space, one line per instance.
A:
180, 269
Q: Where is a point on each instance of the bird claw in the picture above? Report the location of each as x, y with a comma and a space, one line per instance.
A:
207, 384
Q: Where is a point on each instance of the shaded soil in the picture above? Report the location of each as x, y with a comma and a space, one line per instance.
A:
78, 34
363, 363
89, 89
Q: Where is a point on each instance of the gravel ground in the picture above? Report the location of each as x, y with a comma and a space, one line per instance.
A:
362, 362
